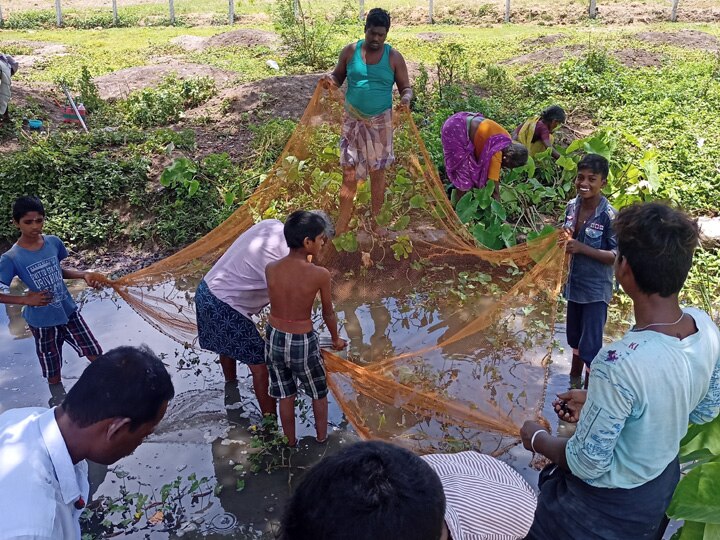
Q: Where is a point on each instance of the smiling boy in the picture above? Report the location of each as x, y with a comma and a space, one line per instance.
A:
50, 312
592, 244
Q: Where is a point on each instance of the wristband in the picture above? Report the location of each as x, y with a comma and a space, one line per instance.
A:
532, 439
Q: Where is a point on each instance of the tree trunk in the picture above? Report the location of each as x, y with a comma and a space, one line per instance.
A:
172, 12
58, 13
2, 21
593, 9
231, 12
115, 15
507, 11
673, 15
430, 11
362, 10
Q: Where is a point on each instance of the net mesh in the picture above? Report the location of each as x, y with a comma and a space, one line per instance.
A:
450, 342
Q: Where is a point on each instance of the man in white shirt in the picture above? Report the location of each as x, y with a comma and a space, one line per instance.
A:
232, 292
378, 491
117, 402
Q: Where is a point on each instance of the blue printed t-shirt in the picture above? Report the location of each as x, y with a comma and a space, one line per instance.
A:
644, 389
588, 279
40, 271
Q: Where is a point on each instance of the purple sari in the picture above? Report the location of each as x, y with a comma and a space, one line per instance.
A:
462, 168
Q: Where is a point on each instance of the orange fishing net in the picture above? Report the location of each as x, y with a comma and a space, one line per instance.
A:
449, 342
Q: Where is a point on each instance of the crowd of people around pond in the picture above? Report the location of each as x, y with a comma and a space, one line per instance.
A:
631, 400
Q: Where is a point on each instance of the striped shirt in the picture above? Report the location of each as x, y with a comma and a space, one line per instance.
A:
485, 498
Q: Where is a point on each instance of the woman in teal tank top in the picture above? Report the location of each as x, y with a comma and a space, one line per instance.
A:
369, 88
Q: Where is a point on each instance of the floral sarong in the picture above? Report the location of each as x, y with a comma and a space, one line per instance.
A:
367, 143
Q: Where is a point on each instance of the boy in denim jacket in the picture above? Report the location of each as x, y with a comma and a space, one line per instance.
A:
592, 246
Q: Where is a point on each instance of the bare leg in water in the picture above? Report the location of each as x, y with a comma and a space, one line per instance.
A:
377, 198
576, 370
57, 379
320, 410
287, 418
261, 382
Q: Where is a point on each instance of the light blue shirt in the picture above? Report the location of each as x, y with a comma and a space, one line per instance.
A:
644, 389
40, 270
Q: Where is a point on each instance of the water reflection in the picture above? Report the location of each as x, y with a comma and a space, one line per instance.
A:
206, 431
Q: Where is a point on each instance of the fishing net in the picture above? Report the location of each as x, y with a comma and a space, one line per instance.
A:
449, 342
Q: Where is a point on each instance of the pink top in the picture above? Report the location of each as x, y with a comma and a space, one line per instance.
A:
238, 278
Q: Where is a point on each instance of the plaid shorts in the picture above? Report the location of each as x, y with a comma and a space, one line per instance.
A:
294, 356
49, 342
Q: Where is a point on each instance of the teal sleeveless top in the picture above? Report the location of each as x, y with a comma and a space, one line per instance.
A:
370, 86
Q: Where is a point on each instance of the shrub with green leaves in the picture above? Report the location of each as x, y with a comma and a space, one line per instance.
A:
166, 103
312, 39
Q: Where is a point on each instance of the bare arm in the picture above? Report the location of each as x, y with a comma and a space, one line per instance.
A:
328, 311
39, 298
602, 255
94, 279
338, 75
402, 79
551, 447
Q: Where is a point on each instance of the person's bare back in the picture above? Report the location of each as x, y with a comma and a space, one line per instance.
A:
293, 284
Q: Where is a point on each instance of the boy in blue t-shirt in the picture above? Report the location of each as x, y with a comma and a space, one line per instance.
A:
588, 290
50, 312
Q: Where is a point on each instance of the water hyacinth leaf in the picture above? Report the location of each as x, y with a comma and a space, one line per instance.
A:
701, 440
467, 207
696, 496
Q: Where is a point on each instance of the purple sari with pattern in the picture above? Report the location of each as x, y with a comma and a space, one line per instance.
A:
462, 168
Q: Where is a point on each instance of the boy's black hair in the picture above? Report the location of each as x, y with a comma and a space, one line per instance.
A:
377, 17
553, 112
301, 225
595, 163
369, 491
24, 205
516, 155
658, 243
125, 382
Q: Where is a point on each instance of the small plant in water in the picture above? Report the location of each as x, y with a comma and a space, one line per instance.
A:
137, 511
272, 450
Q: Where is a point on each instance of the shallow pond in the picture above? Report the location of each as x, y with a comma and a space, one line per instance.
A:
199, 457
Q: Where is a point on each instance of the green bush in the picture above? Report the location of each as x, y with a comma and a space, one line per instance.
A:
310, 38
166, 103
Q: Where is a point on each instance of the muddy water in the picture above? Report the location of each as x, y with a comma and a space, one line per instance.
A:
207, 431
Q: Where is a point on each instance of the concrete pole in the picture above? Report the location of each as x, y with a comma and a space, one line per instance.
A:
2, 21
673, 15
593, 9
362, 10
115, 15
172, 12
430, 11
507, 11
231, 12
58, 13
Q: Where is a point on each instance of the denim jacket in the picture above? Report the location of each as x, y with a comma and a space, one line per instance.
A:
590, 280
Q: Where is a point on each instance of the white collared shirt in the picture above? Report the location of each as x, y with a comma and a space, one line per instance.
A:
39, 484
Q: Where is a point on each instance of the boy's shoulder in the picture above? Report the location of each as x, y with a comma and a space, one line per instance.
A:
609, 210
